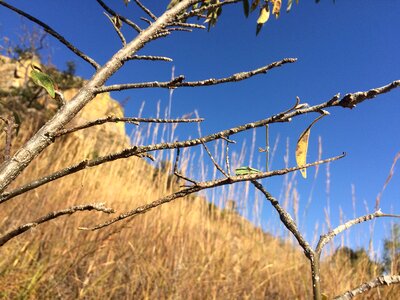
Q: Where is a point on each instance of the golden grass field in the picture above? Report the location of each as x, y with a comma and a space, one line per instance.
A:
187, 249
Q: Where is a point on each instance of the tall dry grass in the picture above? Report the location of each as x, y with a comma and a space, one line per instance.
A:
188, 249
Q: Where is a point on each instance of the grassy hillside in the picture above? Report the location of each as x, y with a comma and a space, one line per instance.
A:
188, 249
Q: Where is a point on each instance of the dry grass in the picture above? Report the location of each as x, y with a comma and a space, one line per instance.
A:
188, 249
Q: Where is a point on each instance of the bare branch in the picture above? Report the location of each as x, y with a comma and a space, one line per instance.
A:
351, 100
150, 57
377, 282
286, 219
145, 208
123, 19
135, 150
146, 10
114, 119
212, 81
46, 179
50, 216
331, 234
146, 20
280, 117
203, 186
55, 34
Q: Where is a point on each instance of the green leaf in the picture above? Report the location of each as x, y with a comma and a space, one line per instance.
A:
246, 171
43, 80
246, 7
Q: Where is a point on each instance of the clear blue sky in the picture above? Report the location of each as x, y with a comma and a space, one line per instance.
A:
344, 47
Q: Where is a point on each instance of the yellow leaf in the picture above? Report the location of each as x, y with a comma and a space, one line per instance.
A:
302, 147
277, 7
264, 15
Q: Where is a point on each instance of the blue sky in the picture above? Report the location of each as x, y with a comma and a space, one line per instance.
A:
344, 47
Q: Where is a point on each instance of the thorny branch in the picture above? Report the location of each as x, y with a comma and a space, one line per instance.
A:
207, 82
50, 216
199, 186
52, 32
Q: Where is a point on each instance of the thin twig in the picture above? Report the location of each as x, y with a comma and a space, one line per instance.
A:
177, 173
50, 216
150, 57
178, 152
377, 282
213, 160
146, 20
55, 34
9, 131
179, 29
160, 34
188, 25
324, 239
203, 186
207, 82
120, 35
286, 218
146, 10
123, 19
228, 166
113, 119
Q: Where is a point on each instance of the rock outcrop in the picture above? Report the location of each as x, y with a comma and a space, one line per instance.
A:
14, 74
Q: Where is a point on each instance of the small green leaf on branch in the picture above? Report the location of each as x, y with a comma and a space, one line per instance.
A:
246, 171
42, 79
